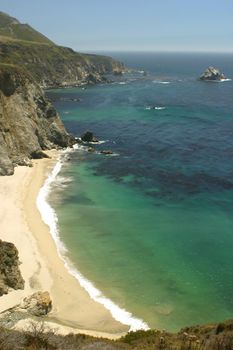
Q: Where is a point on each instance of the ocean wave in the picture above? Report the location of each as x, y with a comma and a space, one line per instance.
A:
50, 218
100, 142
223, 80
158, 108
161, 82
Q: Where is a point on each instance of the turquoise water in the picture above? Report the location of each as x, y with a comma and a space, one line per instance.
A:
152, 226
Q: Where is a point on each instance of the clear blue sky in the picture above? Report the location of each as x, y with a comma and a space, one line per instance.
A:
130, 25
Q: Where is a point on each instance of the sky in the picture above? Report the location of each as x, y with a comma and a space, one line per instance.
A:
130, 25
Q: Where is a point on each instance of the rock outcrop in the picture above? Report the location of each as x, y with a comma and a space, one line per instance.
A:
212, 74
88, 136
38, 304
10, 276
29, 123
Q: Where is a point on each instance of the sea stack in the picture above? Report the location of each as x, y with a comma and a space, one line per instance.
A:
212, 74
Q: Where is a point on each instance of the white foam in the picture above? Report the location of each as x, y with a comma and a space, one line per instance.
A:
156, 108
159, 108
222, 80
100, 142
49, 216
161, 82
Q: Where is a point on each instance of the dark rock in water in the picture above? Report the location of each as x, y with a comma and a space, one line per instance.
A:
91, 149
38, 304
67, 99
88, 136
10, 276
212, 74
109, 151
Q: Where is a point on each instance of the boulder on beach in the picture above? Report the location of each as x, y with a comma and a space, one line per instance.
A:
212, 74
38, 304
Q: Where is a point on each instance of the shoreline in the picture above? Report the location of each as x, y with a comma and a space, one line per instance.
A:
42, 268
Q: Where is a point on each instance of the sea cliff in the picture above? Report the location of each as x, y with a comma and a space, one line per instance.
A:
28, 121
29, 61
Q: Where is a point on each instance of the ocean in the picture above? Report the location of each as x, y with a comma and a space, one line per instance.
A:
148, 230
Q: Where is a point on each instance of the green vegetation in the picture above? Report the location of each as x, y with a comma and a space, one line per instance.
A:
49, 64
41, 337
11, 28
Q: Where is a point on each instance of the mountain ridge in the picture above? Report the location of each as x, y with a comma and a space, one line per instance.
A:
11, 27
50, 65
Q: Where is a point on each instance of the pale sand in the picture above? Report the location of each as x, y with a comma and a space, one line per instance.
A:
42, 269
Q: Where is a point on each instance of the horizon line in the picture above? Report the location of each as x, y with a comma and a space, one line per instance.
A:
154, 51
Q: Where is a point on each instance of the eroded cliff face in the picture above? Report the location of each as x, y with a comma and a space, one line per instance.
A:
29, 123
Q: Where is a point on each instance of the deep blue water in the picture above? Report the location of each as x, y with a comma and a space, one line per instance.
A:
152, 226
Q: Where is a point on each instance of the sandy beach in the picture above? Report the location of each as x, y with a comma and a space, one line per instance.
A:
41, 266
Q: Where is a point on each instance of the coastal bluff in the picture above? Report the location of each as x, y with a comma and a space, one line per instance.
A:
51, 65
31, 62
29, 123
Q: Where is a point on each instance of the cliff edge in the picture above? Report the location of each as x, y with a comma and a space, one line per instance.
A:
29, 123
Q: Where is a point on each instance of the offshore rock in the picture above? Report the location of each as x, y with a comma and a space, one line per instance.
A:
88, 136
38, 304
107, 151
10, 276
29, 124
212, 74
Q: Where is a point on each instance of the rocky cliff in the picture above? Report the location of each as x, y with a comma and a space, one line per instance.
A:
10, 276
53, 65
29, 123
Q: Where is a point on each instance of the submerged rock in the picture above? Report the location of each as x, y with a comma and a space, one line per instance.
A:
212, 73
107, 151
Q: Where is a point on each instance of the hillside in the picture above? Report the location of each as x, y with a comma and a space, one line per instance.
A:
49, 64
12, 29
28, 61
